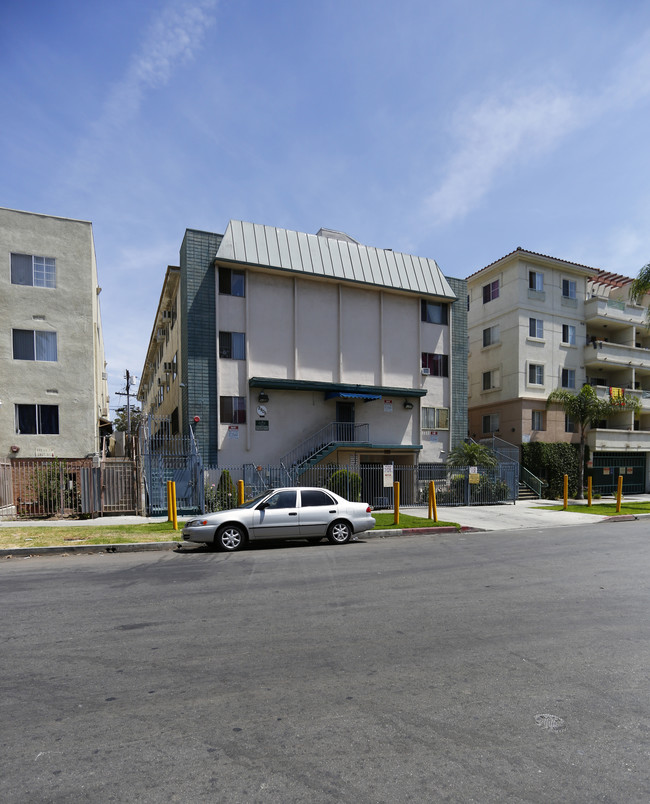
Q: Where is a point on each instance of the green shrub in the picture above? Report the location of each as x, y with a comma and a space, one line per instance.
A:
550, 462
346, 484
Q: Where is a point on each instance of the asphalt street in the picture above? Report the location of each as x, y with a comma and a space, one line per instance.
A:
488, 666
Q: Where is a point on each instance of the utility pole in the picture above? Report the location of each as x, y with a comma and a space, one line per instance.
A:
127, 394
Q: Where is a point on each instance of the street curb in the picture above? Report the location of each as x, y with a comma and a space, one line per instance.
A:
140, 547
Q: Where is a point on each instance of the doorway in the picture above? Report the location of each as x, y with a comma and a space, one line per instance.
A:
345, 421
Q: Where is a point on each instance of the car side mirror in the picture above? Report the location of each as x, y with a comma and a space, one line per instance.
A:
262, 506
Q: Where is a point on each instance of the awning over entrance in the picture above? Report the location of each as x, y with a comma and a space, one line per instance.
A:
348, 395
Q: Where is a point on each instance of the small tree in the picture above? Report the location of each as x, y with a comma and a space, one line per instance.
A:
469, 453
586, 410
120, 420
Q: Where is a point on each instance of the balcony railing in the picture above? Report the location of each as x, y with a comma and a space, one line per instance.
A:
599, 307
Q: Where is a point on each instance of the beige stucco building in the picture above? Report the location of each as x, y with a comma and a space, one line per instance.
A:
278, 346
537, 323
53, 388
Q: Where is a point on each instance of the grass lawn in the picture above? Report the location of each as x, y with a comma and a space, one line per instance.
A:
387, 522
604, 509
60, 535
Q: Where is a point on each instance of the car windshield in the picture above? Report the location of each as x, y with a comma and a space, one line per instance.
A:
252, 503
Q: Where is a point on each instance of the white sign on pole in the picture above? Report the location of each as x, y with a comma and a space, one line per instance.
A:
388, 475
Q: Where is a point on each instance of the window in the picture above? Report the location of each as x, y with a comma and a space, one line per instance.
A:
175, 366
569, 334
490, 379
283, 499
232, 409
231, 283
438, 365
39, 272
491, 423
569, 424
32, 344
435, 418
491, 335
535, 281
568, 288
535, 374
490, 291
538, 422
434, 312
232, 345
37, 419
315, 497
535, 327
568, 378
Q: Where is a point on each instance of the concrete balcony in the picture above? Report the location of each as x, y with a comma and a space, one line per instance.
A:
605, 354
605, 440
601, 309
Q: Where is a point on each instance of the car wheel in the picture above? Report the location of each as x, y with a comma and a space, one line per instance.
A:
339, 532
230, 538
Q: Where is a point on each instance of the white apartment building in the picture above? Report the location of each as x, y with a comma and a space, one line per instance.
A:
275, 345
537, 323
53, 387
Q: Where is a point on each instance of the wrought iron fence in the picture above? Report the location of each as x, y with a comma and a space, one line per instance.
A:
454, 485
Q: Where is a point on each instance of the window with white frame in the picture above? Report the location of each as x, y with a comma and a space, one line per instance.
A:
535, 327
538, 420
39, 272
569, 288
491, 335
569, 334
536, 281
568, 378
435, 419
535, 374
490, 423
490, 291
37, 419
30, 344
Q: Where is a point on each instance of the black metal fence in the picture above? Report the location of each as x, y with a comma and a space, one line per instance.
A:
370, 483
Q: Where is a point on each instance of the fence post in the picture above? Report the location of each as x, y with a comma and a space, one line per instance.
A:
396, 501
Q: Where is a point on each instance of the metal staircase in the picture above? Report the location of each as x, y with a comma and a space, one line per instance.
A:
322, 443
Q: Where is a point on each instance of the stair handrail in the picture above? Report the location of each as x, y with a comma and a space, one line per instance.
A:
323, 438
525, 475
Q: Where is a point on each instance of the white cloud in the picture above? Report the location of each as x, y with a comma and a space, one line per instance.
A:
493, 136
171, 40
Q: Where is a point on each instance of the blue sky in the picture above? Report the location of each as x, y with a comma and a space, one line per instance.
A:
455, 129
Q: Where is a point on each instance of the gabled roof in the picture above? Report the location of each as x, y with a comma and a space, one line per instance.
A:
330, 256
522, 252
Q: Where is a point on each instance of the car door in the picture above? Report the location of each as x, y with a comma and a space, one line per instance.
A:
317, 510
276, 517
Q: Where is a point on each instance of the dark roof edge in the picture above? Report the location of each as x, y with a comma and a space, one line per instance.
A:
314, 385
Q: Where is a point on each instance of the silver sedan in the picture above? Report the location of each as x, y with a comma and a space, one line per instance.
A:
289, 513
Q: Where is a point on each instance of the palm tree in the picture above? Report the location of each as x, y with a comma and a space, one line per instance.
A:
641, 285
586, 409
469, 453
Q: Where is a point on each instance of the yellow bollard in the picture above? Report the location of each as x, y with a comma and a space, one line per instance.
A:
589, 480
169, 500
432, 495
396, 501
175, 518
240, 492
566, 492
619, 494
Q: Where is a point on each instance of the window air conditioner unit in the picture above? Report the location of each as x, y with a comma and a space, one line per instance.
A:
426, 371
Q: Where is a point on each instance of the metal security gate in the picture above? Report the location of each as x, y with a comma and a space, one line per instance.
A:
170, 457
609, 466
